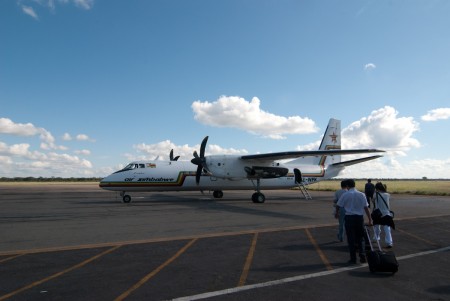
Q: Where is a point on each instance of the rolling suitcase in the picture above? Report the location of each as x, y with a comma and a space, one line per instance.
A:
379, 260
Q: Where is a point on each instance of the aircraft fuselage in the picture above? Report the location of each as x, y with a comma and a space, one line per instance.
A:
180, 175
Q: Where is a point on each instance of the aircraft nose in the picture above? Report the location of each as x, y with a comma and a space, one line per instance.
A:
104, 182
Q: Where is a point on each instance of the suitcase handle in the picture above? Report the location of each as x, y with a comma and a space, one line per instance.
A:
370, 240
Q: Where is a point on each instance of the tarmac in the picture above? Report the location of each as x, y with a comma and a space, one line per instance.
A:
77, 242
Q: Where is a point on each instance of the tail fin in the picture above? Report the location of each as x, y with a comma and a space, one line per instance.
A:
331, 140
332, 137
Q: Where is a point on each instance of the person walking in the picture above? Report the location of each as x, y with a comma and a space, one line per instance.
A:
369, 190
381, 201
341, 214
355, 204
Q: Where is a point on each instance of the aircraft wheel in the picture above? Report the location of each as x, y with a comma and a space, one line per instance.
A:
218, 194
126, 199
258, 197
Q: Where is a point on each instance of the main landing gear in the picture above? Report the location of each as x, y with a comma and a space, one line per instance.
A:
217, 194
258, 196
126, 198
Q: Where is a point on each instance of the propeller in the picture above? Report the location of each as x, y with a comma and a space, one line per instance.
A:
200, 160
171, 156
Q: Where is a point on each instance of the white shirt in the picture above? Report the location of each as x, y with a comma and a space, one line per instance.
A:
353, 202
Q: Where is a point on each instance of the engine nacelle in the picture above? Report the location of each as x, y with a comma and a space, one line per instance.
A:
266, 172
233, 167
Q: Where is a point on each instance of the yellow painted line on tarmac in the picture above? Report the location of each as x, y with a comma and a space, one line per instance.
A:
319, 251
417, 237
10, 258
228, 291
248, 261
36, 283
159, 239
155, 271
174, 238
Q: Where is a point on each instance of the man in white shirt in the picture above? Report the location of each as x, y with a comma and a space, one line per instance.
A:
355, 204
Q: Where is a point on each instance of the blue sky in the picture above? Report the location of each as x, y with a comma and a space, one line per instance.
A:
88, 85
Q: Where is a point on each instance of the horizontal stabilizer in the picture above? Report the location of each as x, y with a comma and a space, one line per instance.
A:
356, 161
298, 154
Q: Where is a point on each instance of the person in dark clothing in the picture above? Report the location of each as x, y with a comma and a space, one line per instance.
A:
369, 190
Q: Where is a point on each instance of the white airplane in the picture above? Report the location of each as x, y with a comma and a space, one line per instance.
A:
235, 172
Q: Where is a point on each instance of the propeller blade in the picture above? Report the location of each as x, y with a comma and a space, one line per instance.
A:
171, 156
198, 174
196, 160
203, 146
199, 160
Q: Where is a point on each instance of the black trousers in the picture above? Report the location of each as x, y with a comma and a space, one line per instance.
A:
354, 228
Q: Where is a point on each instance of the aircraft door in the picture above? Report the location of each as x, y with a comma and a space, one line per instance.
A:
298, 176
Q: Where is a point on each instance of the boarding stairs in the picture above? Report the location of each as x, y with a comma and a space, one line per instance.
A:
304, 191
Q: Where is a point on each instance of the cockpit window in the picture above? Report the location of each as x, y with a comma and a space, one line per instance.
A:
131, 166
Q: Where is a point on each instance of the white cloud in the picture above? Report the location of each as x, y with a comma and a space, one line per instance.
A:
161, 150
14, 150
19, 160
83, 137
430, 168
7, 126
236, 112
392, 167
436, 114
66, 137
382, 129
28, 10
85, 4
369, 66
5, 160
51, 5
84, 152
79, 137
65, 160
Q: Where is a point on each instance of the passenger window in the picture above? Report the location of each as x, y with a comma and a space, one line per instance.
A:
141, 165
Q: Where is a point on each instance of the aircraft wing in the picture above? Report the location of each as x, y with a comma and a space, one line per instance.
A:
313, 153
356, 161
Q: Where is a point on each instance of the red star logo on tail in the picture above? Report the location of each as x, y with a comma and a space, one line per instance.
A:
333, 137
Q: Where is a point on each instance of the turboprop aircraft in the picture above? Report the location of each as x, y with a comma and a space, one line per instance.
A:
238, 172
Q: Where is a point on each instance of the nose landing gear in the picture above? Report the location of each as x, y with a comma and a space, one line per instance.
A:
126, 198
